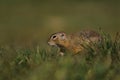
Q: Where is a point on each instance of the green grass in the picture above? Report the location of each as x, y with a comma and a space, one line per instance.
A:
99, 62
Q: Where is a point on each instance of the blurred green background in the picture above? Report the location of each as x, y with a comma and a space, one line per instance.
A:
31, 22
27, 22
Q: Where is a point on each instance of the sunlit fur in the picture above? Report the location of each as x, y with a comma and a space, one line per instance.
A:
73, 42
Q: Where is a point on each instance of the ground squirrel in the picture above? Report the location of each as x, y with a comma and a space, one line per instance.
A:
73, 42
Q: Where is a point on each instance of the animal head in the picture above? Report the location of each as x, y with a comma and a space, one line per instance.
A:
57, 39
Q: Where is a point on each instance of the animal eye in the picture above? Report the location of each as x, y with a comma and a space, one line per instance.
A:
54, 37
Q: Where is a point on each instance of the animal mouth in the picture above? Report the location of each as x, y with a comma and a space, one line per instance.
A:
51, 44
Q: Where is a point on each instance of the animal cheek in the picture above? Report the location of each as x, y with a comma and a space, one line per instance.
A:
61, 42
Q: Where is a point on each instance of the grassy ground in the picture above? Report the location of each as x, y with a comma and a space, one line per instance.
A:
99, 62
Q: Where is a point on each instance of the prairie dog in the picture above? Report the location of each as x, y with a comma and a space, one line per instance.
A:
73, 42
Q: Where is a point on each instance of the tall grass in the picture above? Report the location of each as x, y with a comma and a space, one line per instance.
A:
98, 62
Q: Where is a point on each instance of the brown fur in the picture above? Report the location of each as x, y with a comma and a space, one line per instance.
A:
73, 42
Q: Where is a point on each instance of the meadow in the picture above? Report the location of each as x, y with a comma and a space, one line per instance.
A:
25, 26
97, 62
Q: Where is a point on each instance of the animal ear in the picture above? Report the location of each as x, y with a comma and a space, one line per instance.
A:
63, 35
